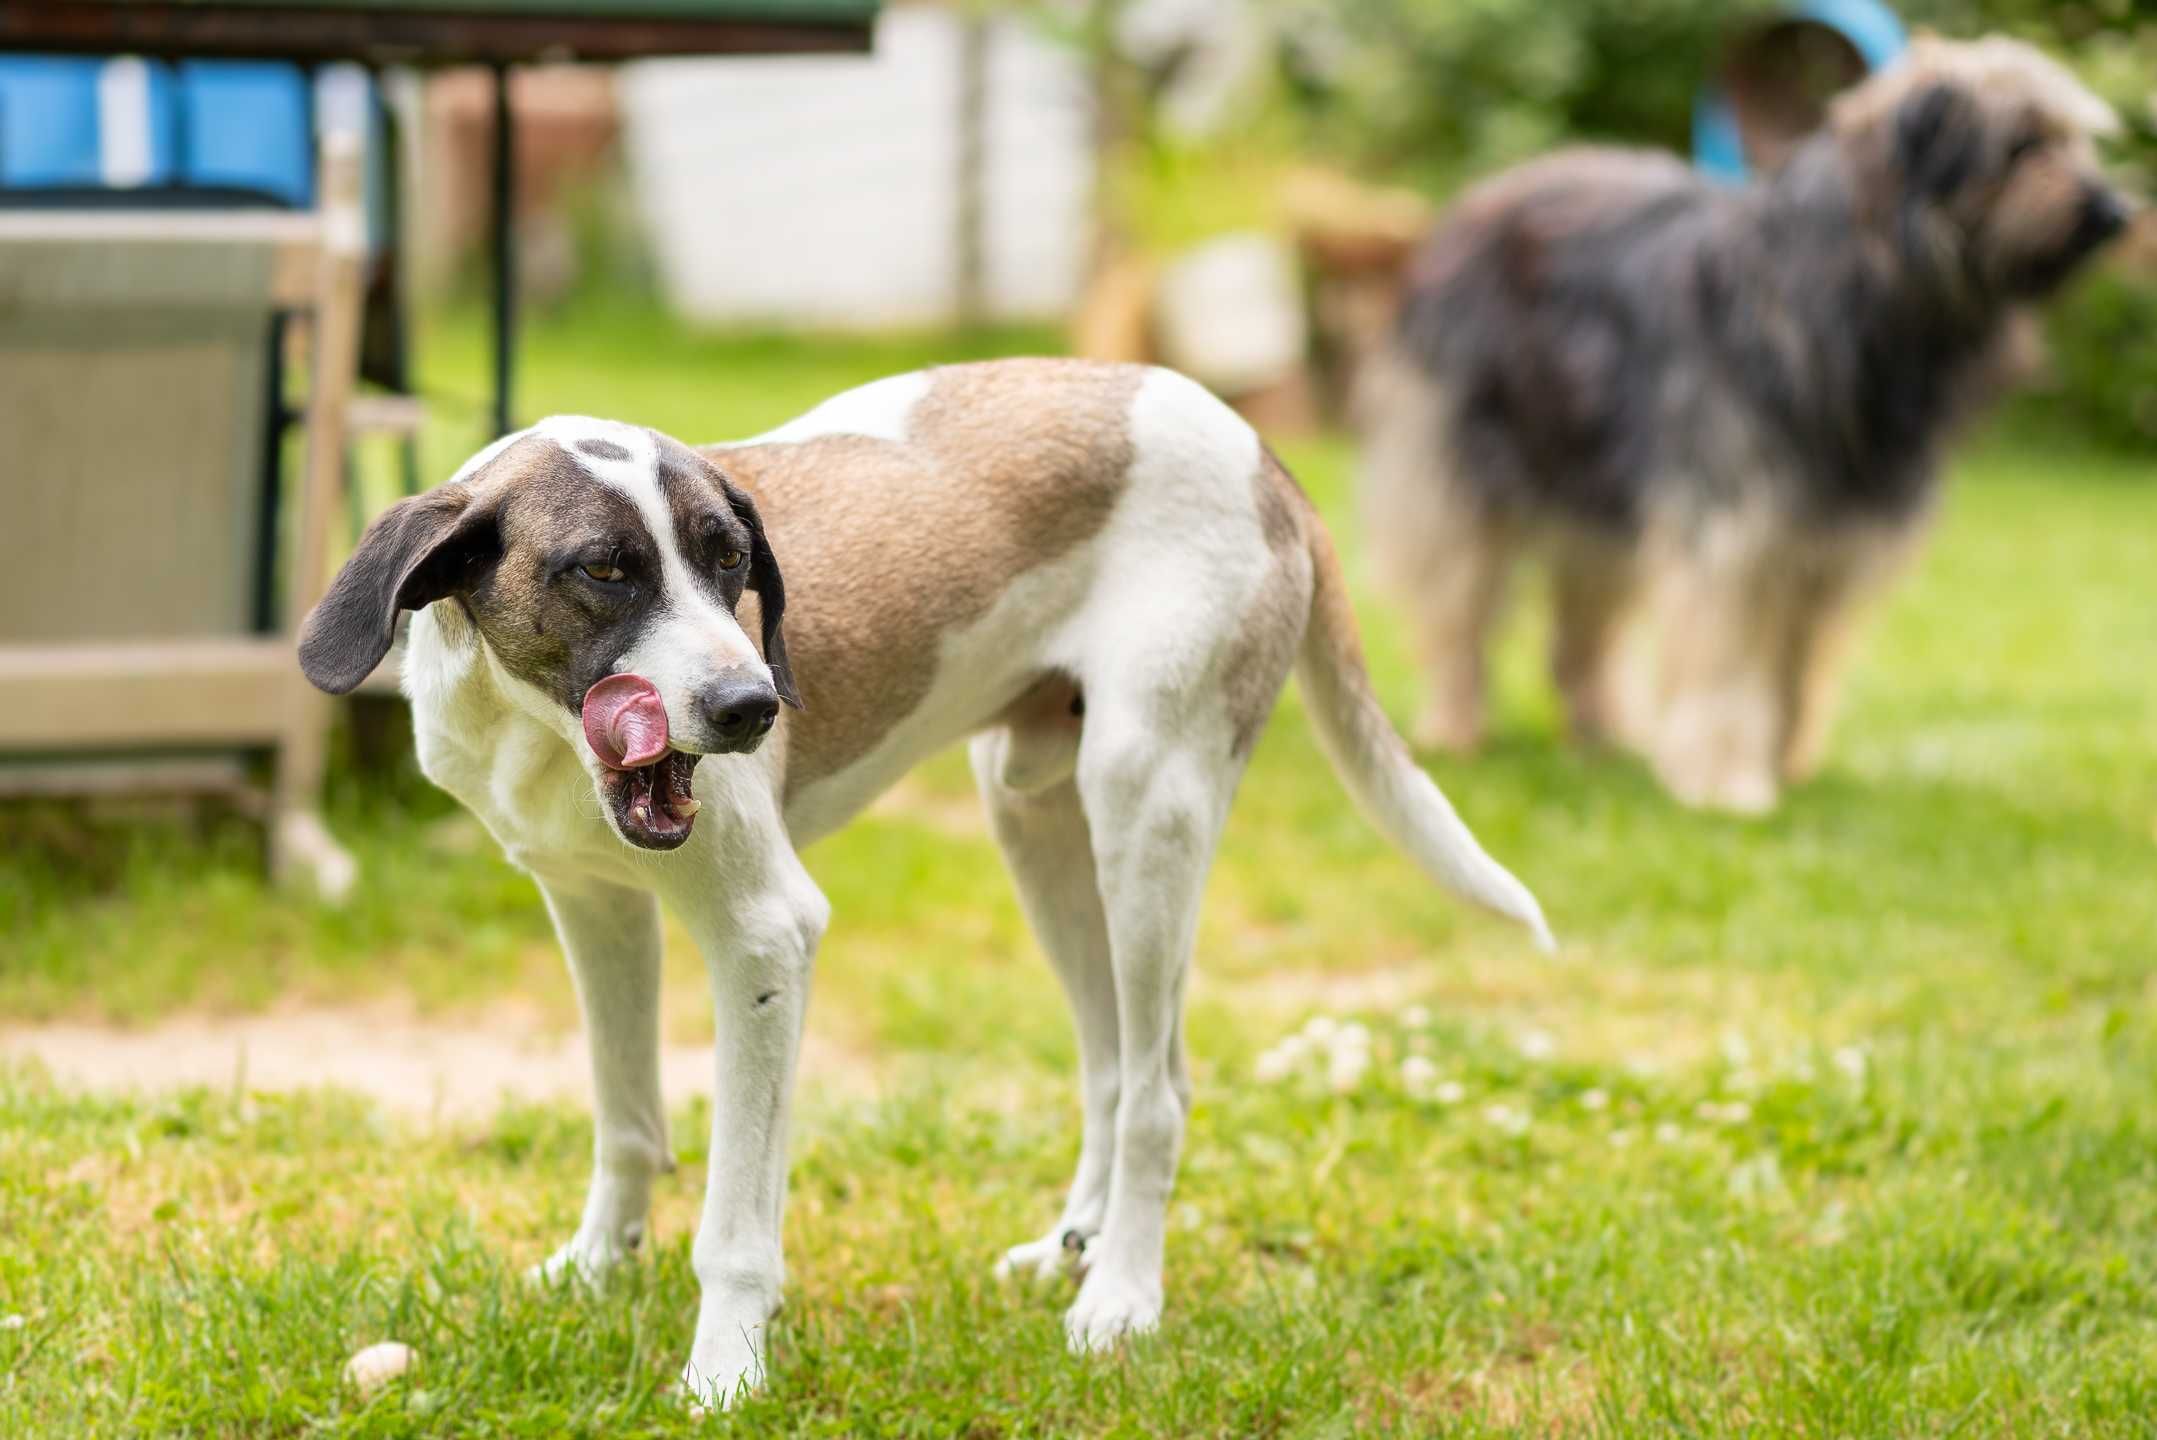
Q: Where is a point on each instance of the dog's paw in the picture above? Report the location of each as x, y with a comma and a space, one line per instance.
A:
1732, 795
1447, 730
720, 1376
1054, 1255
588, 1258
1110, 1307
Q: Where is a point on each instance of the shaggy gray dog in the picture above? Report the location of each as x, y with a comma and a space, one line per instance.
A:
1727, 403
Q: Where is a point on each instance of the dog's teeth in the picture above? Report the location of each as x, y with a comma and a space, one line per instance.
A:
684, 809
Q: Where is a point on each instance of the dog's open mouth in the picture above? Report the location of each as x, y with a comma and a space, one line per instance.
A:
654, 807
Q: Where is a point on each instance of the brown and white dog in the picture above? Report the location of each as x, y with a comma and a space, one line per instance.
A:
1097, 572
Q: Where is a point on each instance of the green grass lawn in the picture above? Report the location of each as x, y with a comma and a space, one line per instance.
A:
1842, 1123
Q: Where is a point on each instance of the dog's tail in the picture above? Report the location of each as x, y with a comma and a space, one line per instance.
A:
1373, 761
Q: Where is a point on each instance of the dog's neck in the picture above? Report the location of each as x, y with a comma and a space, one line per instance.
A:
1920, 339
488, 746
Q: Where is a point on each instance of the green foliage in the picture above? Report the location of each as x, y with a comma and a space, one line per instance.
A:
1440, 90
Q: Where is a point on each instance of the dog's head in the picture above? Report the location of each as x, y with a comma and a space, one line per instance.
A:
1983, 153
600, 567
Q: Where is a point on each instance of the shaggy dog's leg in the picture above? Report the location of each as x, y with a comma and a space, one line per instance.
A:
1819, 646
1718, 737
1155, 804
611, 936
759, 942
1452, 611
1050, 855
1823, 629
1593, 587
1439, 547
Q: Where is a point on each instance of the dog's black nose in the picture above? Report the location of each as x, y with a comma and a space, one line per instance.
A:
739, 710
2104, 214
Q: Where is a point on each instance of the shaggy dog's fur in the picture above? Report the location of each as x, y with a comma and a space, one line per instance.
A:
1738, 395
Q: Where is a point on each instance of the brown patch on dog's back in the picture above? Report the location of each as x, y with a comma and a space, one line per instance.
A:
887, 546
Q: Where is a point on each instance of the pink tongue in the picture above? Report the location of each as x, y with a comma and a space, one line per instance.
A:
624, 722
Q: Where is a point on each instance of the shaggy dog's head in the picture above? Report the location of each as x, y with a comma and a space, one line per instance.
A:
1979, 158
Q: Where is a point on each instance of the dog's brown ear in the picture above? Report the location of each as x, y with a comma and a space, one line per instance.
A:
412, 556
770, 588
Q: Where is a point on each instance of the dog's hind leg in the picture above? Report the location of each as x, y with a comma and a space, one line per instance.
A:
1155, 788
1441, 550
1049, 851
1453, 601
611, 936
1593, 586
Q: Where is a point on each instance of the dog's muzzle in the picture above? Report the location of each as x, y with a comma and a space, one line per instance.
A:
738, 711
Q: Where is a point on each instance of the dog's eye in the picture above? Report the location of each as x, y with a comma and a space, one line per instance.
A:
2025, 147
730, 559
604, 572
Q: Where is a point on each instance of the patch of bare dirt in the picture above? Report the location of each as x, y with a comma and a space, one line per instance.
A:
413, 1066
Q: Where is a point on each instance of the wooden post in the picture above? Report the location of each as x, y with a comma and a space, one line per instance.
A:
299, 841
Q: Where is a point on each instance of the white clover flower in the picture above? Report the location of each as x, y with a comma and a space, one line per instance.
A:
1274, 1066
1416, 1017
1737, 1053
1320, 1028
1354, 1035
1621, 1139
1668, 1133
1506, 1119
1850, 1059
1345, 1072
1642, 1067
1537, 1045
1595, 1100
1418, 1074
1761, 1175
1450, 1092
1737, 1112
1741, 1081
13, 1322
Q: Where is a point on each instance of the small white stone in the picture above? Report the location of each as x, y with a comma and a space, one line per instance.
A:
377, 1365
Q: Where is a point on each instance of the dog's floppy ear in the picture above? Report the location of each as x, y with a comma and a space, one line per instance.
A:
764, 578
1937, 132
409, 558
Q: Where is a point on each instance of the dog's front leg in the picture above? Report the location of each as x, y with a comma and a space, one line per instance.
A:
759, 943
611, 936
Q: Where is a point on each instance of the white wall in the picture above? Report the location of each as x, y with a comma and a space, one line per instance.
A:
823, 190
